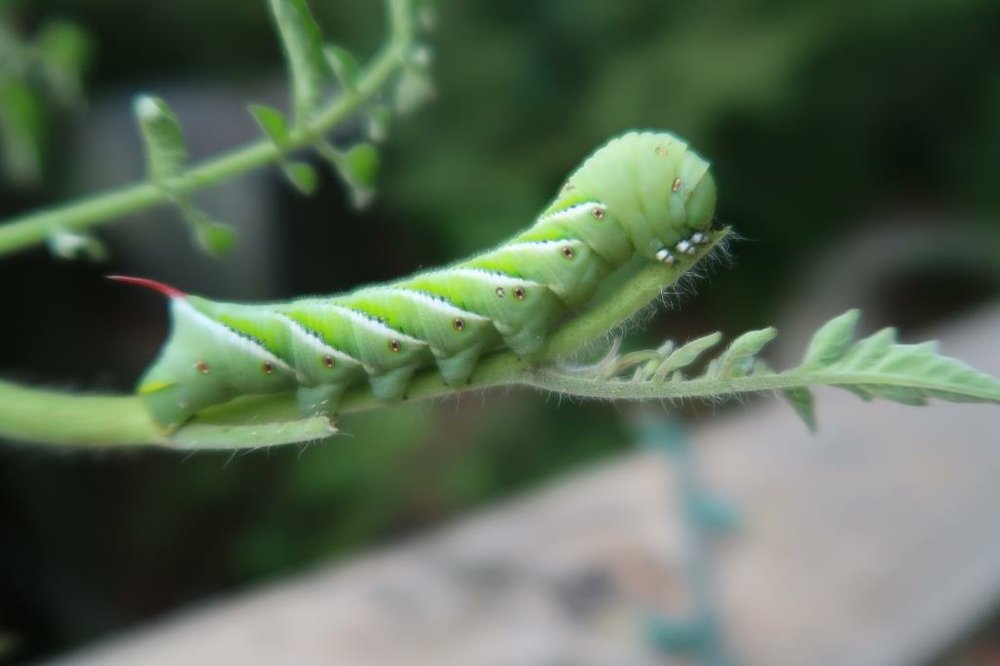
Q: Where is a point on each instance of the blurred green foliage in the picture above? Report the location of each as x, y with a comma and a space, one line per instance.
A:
815, 115
819, 117
38, 77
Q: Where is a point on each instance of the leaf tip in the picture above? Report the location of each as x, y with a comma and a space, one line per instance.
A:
801, 400
147, 107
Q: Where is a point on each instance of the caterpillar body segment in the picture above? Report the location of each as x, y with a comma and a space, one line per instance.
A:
608, 241
522, 328
455, 336
641, 194
568, 268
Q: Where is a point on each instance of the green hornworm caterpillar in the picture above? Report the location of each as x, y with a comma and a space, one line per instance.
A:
641, 194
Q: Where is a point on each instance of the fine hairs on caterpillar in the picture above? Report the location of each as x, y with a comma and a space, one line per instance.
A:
642, 194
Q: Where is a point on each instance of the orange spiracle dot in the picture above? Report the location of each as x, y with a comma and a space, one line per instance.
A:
568, 252
520, 293
268, 367
598, 213
458, 324
328, 361
201, 367
394, 345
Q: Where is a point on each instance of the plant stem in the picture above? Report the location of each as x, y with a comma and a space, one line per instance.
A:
69, 419
34, 228
53, 417
710, 387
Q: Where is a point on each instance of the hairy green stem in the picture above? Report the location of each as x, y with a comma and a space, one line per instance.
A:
708, 387
34, 228
72, 419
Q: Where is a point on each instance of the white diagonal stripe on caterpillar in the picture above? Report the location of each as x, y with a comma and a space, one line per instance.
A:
493, 278
371, 323
433, 302
313, 339
538, 246
573, 212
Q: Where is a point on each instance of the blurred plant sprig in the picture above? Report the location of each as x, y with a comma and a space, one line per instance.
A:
327, 85
37, 75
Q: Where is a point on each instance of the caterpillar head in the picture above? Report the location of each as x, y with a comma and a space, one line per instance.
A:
650, 185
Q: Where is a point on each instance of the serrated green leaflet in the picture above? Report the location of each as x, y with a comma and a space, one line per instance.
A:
302, 176
166, 154
272, 123
358, 168
344, 65
685, 355
831, 341
738, 357
874, 367
802, 402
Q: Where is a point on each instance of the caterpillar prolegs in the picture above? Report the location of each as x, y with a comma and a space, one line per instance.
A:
644, 194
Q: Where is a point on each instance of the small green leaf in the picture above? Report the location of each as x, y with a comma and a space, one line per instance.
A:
413, 90
22, 132
344, 65
907, 395
869, 350
686, 355
64, 50
75, 245
302, 176
358, 166
858, 391
166, 154
302, 42
831, 341
801, 399
167, 157
199, 435
361, 162
738, 357
656, 357
875, 367
272, 123
666, 348
378, 123
216, 238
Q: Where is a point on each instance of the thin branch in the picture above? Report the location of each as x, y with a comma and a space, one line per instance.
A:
36, 415
706, 387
